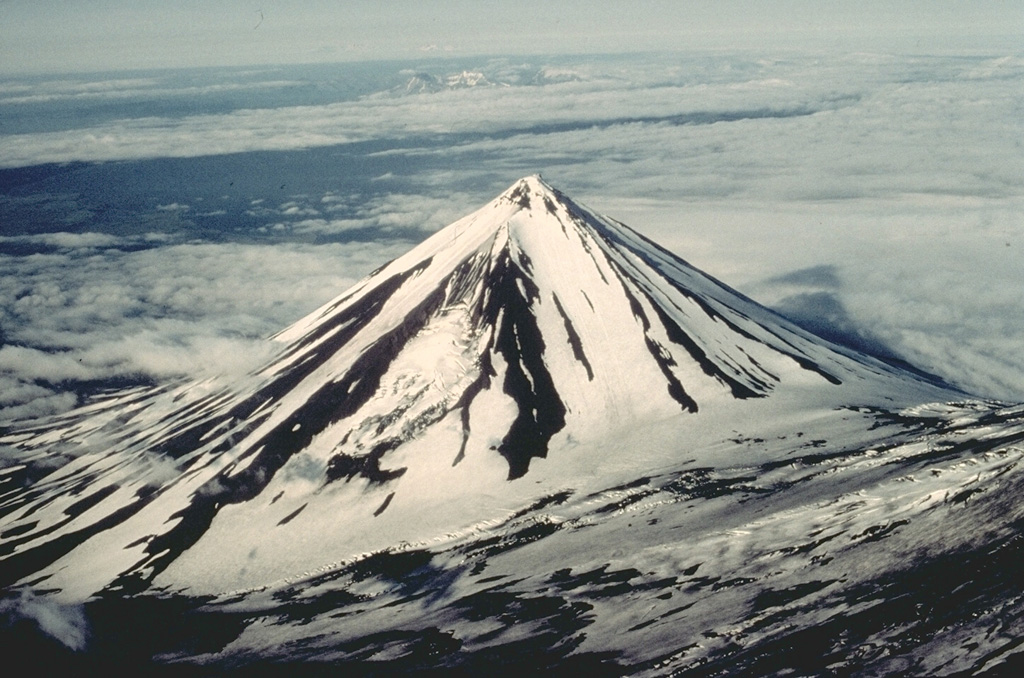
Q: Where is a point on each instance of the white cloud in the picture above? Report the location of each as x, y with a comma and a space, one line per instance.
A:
62, 622
64, 240
188, 309
908, 180
934, 279
642, 90
902, 174
22, 398
52, 90
294, 210
173, 207
34, 364
120, 89
389, 214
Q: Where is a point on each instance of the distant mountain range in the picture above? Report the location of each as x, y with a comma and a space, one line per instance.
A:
425, 82
422, 82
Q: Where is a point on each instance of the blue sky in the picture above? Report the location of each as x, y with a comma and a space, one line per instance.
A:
75, 35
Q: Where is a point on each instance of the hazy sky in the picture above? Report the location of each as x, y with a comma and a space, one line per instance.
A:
887, 149
877, 191
79, 35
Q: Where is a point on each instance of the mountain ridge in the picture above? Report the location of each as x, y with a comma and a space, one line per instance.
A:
491, 273
531, 329
537, 440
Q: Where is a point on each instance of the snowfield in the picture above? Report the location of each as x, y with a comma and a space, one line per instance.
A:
539, 440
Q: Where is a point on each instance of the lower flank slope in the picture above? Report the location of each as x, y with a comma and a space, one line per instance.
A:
895, 553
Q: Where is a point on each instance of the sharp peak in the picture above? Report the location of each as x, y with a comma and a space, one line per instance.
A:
533, 182
533, 186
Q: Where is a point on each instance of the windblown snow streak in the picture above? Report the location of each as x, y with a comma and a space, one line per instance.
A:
541, 439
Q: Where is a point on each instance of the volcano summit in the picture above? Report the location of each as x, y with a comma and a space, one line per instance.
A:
539, 439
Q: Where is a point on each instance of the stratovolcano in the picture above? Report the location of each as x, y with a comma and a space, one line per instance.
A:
531, 357
532, 328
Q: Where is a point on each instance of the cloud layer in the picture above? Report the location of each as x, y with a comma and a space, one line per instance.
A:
82, 315
53, 34
880, 193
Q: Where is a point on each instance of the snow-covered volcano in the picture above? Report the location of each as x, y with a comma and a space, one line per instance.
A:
562, 322
532, 354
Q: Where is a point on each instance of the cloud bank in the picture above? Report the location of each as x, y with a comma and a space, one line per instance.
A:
880, 194
64, 623
86, 316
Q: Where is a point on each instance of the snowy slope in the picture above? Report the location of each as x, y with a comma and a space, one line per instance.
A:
529, 326
426, 83
532, 354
